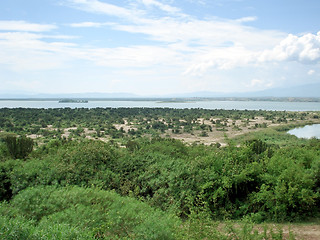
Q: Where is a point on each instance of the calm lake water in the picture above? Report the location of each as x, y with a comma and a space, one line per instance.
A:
308, 131
239, 105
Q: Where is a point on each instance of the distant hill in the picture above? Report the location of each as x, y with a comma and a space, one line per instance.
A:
310, 90
304, 91
66, 95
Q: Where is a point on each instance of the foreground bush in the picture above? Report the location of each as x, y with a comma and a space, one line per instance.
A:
22, 229
58, 163
103, 214
254, 180
62, 228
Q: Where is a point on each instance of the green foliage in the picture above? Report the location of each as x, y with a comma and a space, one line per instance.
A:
23, 229
256, 180
105, 214
5, 183
203, 134
84, 163
204, 228
24, 121
86, 213
289, 186
257, 146
272, 137
89, 189
4, 153
19, 147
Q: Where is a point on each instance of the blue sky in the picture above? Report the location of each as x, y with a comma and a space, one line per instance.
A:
151, 47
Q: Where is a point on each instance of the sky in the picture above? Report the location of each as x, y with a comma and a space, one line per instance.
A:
158, 47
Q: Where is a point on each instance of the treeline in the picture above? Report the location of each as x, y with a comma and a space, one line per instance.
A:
147, 120
153, 188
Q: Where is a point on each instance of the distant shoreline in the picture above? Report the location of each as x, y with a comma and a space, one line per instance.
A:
170, 100
73, 101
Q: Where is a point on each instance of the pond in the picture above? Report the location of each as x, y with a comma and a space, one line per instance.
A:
308, 131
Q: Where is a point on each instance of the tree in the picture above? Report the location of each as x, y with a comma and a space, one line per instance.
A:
19, 147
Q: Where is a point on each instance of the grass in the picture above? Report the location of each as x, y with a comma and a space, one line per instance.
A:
272, 136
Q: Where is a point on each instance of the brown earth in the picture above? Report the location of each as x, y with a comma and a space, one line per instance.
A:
302, 232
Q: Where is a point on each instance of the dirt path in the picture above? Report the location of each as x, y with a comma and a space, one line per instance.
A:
299, 231
305, 232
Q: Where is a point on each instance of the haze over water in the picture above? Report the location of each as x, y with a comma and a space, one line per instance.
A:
229, 105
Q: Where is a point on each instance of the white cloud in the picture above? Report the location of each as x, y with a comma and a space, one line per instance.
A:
133, 13
259, 83
311, 72
255, 82
28, 51
202, 44
210, 32
25, 26
247, 19
304, 49
96, 6
22, 36
90, 24
139, 56
86, 24
163, 7
183, 46
221, 58
24, 46
179, 27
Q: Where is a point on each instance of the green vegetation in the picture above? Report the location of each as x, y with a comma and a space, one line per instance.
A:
117, 124
136, 184
19, 147
68, 100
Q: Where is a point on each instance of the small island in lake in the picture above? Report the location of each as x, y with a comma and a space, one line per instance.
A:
73, 101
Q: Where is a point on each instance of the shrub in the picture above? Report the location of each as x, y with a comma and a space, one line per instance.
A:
5, 183
19, 147
104, 213
84, 163
23, 229
288, 189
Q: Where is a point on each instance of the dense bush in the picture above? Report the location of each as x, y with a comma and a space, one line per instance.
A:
19, 147
68, 163
131, 188
86, 213
289, 187
23, 229
102, 213
255, 180
5, 181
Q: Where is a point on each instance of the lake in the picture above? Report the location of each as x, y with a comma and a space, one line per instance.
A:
308, 131
228, 105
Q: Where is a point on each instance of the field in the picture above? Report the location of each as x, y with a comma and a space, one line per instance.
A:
152, 173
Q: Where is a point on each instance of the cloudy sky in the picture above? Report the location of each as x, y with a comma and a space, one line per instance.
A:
158, 46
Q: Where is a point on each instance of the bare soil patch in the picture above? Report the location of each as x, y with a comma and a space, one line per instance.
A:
303, 232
